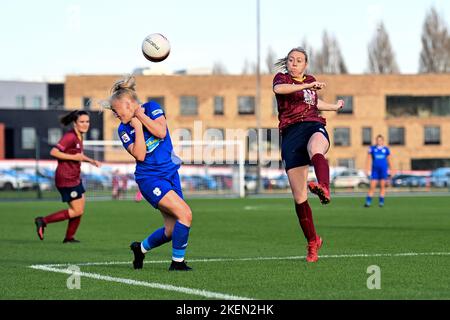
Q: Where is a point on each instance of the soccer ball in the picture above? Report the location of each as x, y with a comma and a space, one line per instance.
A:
155, 47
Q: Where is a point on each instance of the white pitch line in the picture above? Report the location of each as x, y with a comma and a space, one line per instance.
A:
154, 285
357, 255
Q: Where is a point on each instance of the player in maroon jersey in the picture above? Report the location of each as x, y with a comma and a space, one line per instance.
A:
69, 152
305, 140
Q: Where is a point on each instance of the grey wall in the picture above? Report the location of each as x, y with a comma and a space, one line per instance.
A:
9, 90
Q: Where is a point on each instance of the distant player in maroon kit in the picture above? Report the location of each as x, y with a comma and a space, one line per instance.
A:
305, 140
69, 152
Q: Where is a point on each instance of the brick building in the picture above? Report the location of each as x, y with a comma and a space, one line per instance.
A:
411, 111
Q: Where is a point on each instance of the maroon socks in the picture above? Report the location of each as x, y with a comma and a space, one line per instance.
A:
57, 216
305, 218
321, 169
72, 227
61, 216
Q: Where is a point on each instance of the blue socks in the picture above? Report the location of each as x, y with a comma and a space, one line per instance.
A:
156, 239
179, 241
368, 201
381, 202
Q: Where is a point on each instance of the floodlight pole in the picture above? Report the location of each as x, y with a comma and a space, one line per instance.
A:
258, 96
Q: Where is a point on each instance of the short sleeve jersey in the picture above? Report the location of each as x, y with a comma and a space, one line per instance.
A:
68, 172
160, 160
299, 106
379, 156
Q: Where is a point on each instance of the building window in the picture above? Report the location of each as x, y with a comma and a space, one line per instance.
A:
397, 136
86, 103
37, 102
432, 135
422, 107
20, 102
95, 134
28, 138
348, 163
218, 105
366, 136
348, 104
341, 137
188, 106
158, 100
246, 105
54, 135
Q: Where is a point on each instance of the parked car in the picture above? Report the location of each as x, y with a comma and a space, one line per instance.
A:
280, 182
95, 181
10, 180
408, 180
198, 182
224, 182
351, 178
440, 177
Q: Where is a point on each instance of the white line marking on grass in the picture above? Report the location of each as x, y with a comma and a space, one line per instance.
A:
204, 293
357, 255
154, 285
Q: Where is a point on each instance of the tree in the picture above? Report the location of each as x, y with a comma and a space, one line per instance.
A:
219, 68
435, 54
329, 59
312, 61
381, 56
270, 61
248, 67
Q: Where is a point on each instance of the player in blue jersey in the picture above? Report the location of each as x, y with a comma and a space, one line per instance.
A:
144, 134
379, 156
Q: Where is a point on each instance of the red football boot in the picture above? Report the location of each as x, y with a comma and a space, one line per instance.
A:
322, 191
313, 250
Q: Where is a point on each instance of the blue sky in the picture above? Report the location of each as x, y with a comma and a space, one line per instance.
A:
54, 38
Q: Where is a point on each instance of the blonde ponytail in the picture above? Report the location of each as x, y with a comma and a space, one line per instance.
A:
124, 86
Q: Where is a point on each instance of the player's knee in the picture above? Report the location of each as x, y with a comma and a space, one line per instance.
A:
188, 216
300, 199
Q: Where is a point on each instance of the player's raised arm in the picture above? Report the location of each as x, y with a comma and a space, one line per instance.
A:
157, 127
138, 148
324, 106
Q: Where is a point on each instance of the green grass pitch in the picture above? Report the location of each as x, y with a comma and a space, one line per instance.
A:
408, 239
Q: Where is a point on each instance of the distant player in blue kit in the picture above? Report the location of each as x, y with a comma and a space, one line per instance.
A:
144, 134
379, 156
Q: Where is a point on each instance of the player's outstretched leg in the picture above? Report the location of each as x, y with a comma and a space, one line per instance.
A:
139, 249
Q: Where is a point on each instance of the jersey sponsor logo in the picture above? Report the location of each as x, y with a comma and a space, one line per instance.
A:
157, 111
157, 191
124, 136
73, 194
152, 143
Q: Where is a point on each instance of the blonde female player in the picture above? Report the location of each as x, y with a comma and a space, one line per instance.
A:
144, 134
304, 138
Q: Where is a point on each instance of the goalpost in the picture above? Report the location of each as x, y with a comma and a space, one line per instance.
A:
208, 168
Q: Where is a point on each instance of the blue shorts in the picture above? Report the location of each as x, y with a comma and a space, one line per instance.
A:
379, 173
294, 143
69, 194
153, 189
